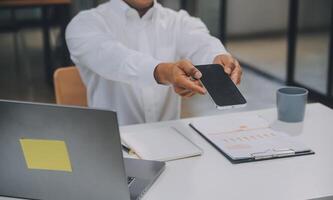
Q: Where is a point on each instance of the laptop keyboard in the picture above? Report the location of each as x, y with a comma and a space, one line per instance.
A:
130, 180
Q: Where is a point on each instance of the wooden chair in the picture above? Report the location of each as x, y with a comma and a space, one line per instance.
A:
69, 88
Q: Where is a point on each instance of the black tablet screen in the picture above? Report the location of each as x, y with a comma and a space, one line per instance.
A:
219, 86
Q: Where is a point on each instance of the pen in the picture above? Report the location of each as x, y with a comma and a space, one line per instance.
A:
125, 148
129, 151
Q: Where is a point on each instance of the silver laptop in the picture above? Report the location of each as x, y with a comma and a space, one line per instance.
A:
52, 152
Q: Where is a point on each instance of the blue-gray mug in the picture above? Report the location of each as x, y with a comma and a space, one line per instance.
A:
291, 102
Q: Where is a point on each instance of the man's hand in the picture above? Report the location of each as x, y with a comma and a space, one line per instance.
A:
231, 66
181, 75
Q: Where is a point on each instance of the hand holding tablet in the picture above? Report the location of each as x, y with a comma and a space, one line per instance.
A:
220, 87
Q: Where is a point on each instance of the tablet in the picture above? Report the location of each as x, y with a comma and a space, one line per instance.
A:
220, 87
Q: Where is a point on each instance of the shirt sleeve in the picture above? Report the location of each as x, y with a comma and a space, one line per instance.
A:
92, 46
195, 43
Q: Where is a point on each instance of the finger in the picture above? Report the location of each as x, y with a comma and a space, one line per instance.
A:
228, 63
229, 67
189, 69
218, 61
188, 95
240, 72
179, 90
192, 94
190, 85
184, 92
224, 62
198, 83
236, 74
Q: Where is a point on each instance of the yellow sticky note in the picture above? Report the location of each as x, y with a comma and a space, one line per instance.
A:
46, 154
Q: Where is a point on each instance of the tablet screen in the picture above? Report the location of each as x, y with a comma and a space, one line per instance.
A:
219, 86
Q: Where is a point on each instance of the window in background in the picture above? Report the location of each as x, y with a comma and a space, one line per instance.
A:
312, 49
21, 14
22, 66
175, 5
4, 15
79, 5
209, 13
256, 33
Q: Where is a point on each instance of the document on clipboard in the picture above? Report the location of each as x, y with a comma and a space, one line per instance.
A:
248, 138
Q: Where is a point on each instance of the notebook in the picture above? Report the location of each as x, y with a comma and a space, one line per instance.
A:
248, 138
161, 144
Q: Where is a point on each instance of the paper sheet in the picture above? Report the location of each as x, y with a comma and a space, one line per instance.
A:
244, 136
244, 143
230, 123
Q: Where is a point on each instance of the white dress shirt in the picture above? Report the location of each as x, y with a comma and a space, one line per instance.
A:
116, 52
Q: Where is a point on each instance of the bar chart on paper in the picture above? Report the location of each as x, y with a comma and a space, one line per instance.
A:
245, 144
243, 139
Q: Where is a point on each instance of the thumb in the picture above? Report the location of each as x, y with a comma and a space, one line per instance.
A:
190, 70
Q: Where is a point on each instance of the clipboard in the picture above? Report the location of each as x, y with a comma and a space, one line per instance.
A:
267, 154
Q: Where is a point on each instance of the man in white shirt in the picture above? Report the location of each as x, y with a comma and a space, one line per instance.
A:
136, 58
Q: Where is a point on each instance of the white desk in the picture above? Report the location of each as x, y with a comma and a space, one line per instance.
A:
212, 176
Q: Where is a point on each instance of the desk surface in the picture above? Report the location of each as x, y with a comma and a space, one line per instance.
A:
32, 2
211, 176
